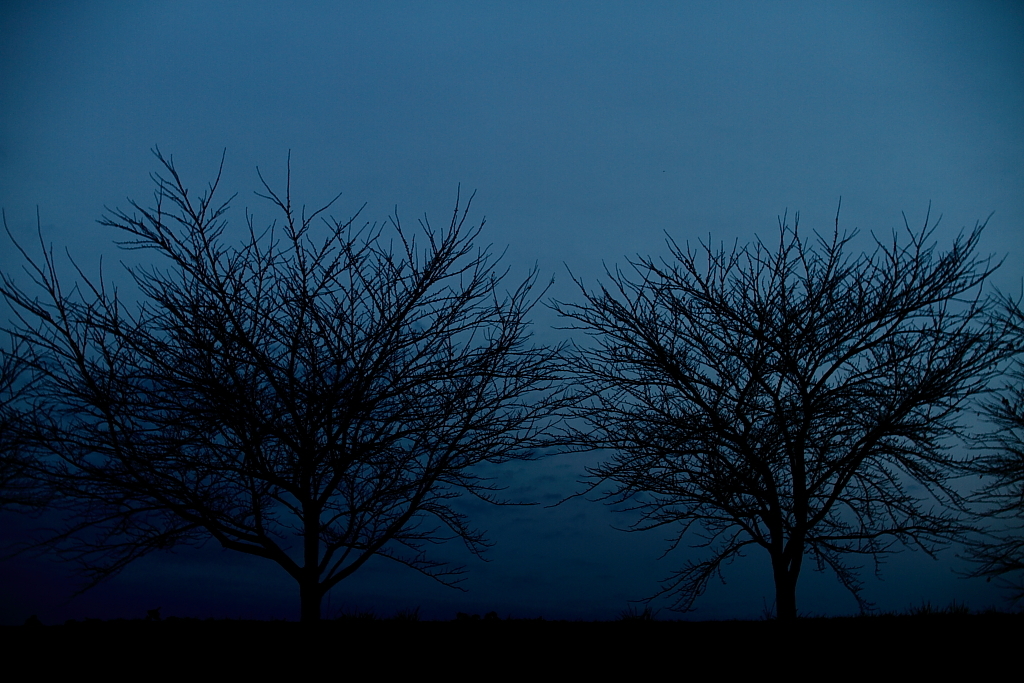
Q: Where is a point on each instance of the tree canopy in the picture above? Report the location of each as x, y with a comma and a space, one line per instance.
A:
789, 397
316, 394
1000, 553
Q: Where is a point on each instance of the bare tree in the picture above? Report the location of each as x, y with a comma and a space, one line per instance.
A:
18, 488
1000, 554
317, 395
790, 398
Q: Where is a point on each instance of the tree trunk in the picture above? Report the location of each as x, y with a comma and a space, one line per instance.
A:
309, 585
786, 574
309, 598
785, 598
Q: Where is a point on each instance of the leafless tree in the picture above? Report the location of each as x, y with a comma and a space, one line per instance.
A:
790, 398
1000, 554
316, 395
18, 488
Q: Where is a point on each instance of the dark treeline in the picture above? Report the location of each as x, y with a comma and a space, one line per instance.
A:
321, 392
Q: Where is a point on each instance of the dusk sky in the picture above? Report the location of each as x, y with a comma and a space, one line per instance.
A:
589, 130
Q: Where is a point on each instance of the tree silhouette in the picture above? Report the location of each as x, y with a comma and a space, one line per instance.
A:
1001, 555
317, 395
790, 398
18, 488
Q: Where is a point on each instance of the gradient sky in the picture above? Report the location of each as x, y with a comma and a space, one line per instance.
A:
589, 130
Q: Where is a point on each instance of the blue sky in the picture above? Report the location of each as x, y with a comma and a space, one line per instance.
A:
588, 130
